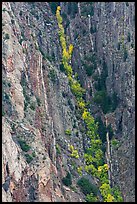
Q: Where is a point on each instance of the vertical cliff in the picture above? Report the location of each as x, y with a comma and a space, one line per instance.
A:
40, 117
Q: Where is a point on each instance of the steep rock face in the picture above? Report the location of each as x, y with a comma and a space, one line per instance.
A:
34, 90
108, 31
38, 106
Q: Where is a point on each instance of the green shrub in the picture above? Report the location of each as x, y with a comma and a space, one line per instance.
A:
86, 186
89, 69
101, 129
33, 106
76, 89
67, 181
129, 37
13, 127
79, 170
106, 102
52, 75
58, 149
24, 146
64, 16
132, 45
91, 198
7, 96
9, 84
29, 158
68, 132
3, 9
25, 105
27, 98
33, 154
62, 69
115, 143
117, 194
7, 36
74, 189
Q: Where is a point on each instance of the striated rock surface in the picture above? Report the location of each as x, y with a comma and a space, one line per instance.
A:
38, 106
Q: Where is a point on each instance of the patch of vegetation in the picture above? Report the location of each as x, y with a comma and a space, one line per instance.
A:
115, 143
62, 69
74, 189
33, 154
91, 198
24, 146
12, 21
101, 83
115, 101
68, 132
89, 69
106, 102
67, 181
72, 9
25, 106
13, 127
79, 170
44, 158
117, 194
101, 129
53, 6
58, 149
90, 64
6, 37
86, 186
9, 84
76, 88
101, 98
132, 45
74, 152
29, 158
7, 97
94, 154
129, 37
38, 101
52, 75
33, 106
4, 10
85, 11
